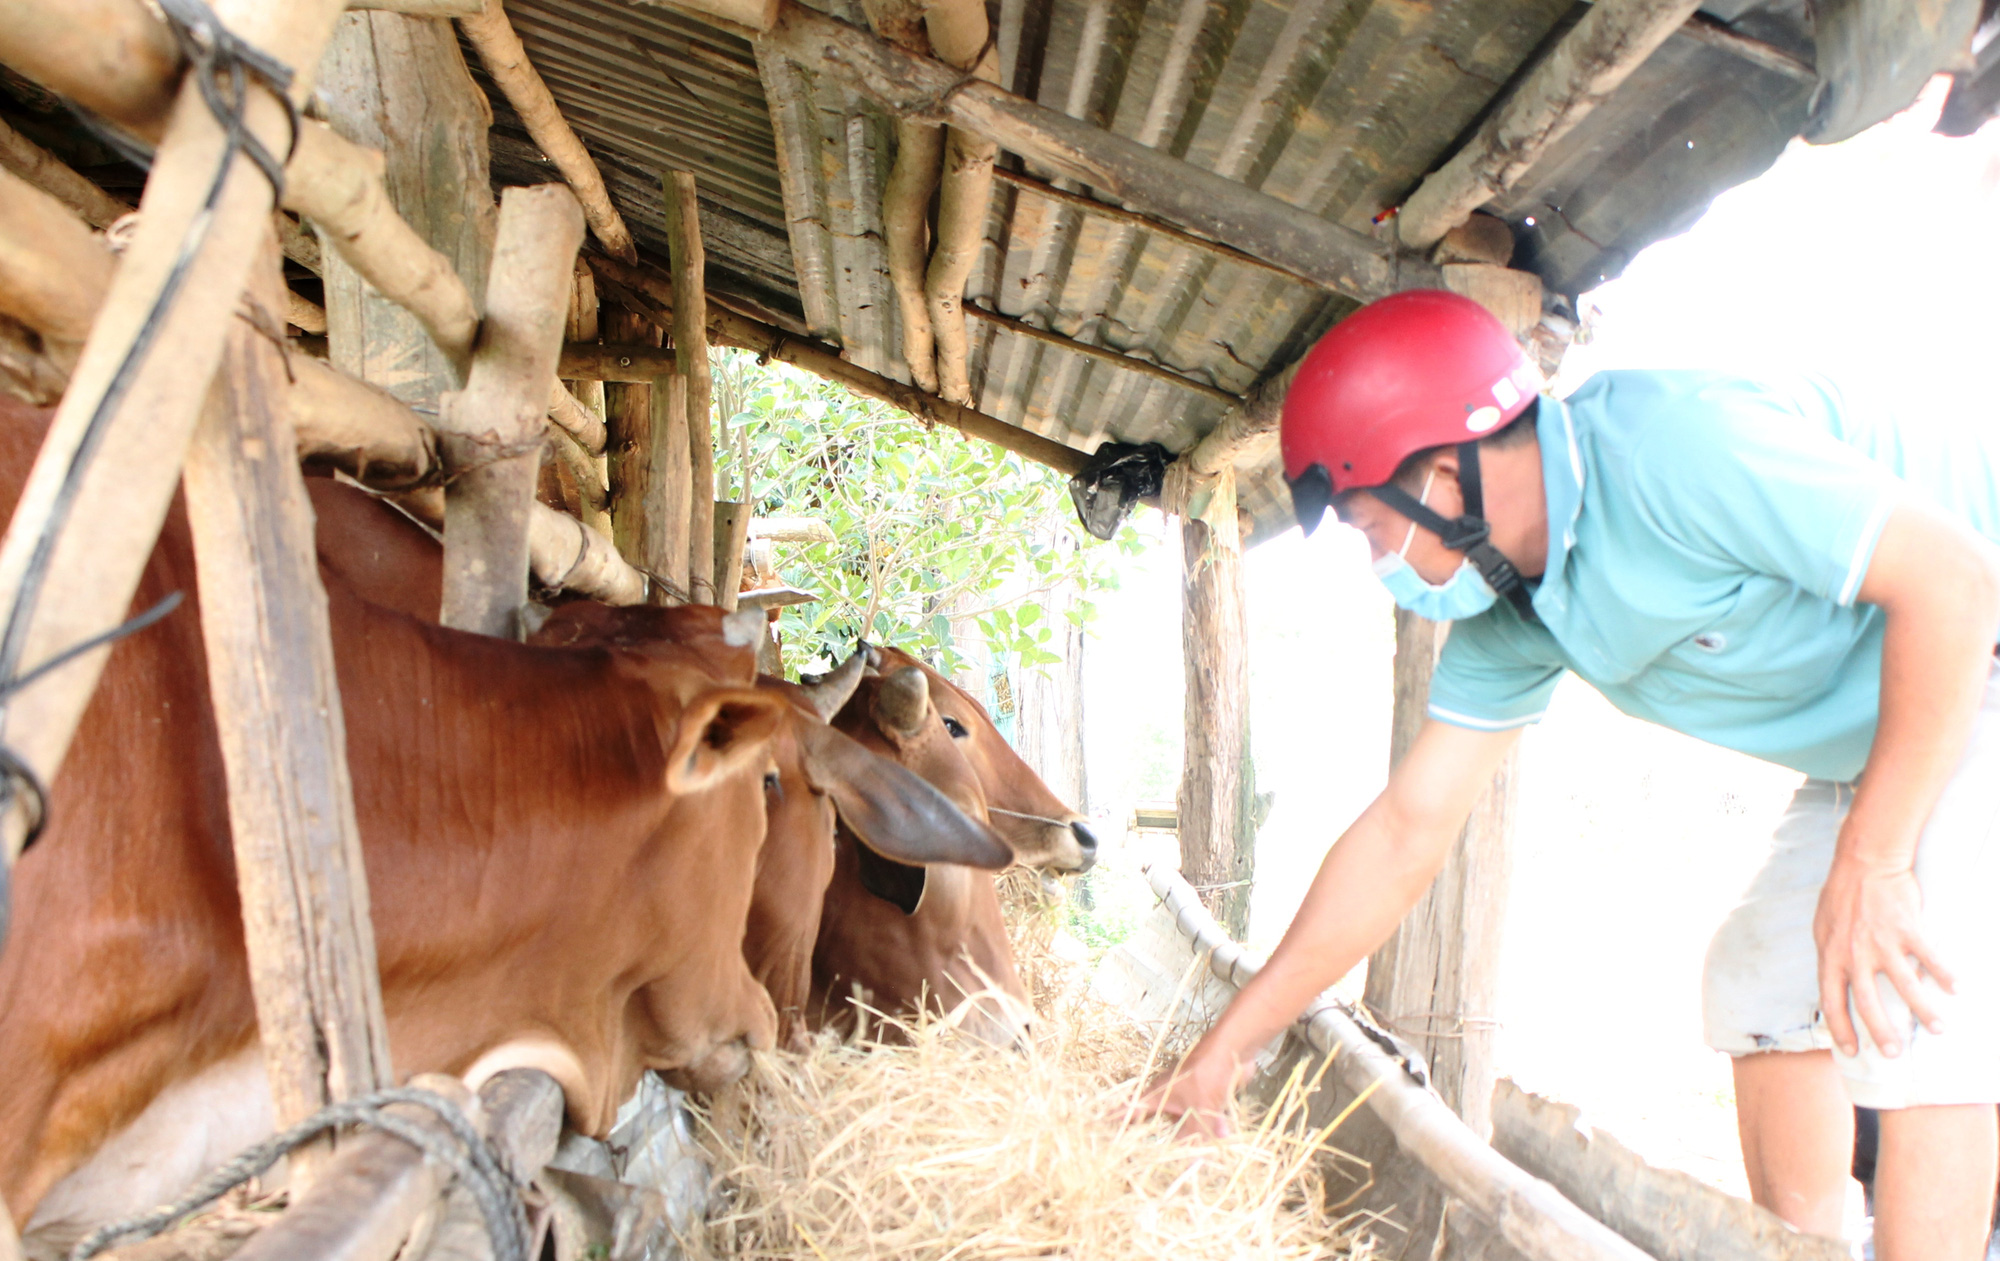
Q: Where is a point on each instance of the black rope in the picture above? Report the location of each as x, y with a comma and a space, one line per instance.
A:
462, 1150
224, 68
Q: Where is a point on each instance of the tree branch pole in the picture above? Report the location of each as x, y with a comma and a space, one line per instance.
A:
491, 430
690, 333
278, 715
623, 362
493, 37
906, 198
1583, 69
1147, 180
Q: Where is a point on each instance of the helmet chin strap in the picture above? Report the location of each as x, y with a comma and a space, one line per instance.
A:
1469, 532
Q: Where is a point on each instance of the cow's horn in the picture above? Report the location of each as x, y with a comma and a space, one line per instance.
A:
743, 627
832, 690
902, 702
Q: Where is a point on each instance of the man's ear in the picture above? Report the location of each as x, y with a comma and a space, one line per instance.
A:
721, 732
896, 813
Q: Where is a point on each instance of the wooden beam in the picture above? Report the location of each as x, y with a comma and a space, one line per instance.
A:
54, 271
1119, 214
1147, 180
1704, 29
690, 333
491, 431
746, 15
1102, 354
961, 38
1670, 1213
278, 716
1585, 66
1251, 424
422, 8
492, 36
732, 329
906, 197
138, 437
53, 176
1529, 1214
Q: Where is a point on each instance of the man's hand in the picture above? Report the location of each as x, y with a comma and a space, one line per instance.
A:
1368, 881
1198, 1091
1867, 923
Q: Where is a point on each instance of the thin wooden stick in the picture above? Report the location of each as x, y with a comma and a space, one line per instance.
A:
732, 535
284, 747
690, 334
493, 37
1102, 354
1584, 68
491, 430
53, 176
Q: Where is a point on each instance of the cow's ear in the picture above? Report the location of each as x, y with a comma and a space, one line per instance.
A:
722, 732
895, 813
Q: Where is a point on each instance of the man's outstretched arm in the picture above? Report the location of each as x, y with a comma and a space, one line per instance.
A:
1368, 881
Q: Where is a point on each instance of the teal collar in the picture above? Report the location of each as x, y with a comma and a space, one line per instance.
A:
1562, 494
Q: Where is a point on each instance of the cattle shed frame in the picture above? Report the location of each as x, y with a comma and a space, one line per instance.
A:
1047, 224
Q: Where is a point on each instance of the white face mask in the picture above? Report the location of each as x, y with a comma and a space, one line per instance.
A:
1465, 594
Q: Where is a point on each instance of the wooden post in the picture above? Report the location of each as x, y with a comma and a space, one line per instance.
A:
732, 535
690, 261
399, 84
636, 414
284, 745
1434, 981
492, 429
1218, 838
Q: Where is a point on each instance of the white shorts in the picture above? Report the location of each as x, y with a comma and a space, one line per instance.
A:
1760, 990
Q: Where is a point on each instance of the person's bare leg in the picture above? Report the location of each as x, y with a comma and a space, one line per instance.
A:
1934, 1183
1797, 1129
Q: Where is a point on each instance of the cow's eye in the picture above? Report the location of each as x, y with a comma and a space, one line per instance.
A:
770, 781
955, 727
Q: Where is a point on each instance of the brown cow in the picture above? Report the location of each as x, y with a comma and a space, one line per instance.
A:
560, 846
901, 937
393, 560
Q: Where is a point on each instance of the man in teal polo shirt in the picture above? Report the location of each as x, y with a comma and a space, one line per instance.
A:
1769, 567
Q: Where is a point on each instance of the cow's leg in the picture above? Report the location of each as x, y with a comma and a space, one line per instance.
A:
1797, 1129
1934, 1183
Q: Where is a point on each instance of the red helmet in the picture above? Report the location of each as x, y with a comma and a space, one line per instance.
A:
1415, 370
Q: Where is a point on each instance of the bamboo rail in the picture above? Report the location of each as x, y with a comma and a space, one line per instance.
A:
1527, 1212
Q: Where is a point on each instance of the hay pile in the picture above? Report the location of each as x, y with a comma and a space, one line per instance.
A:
933, 1148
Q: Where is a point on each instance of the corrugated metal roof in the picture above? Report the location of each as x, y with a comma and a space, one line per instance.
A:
1338, 106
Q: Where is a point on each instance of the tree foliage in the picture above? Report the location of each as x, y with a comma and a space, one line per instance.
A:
930, 528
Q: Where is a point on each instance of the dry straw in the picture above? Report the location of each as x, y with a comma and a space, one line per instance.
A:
935, 1148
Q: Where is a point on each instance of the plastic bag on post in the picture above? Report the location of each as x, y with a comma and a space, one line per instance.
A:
1119, 475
